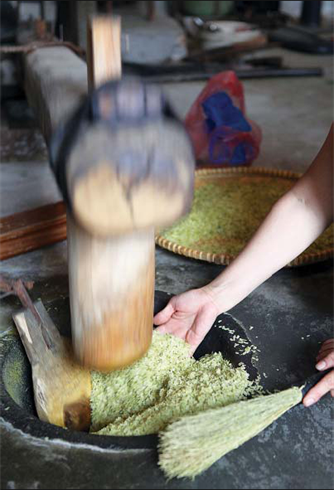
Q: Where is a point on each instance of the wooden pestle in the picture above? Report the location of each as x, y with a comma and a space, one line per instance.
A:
111, 278
113, 206
111, 295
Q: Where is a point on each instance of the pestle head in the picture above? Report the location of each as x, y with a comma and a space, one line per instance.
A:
123, 161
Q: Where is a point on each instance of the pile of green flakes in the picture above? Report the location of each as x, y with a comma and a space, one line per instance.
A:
226, 213
163, 386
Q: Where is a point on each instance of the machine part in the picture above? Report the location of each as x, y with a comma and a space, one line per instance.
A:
300, 39
191, 71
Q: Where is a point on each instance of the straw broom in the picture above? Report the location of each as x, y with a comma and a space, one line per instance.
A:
192, 444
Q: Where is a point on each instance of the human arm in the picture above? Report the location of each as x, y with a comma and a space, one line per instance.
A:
294, 222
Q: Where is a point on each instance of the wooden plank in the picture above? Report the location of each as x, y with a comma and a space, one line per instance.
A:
33, 229
24, 223
62, 388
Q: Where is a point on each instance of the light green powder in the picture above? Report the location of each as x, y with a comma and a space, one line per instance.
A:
164, 386
129, 391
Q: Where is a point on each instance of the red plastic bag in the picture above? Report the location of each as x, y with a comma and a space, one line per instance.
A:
217, 124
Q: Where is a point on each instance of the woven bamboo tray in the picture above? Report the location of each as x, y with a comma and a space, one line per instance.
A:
210, 176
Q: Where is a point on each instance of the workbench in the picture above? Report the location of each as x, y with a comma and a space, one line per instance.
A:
291, 315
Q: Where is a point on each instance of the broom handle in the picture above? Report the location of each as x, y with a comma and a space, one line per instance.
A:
313, 380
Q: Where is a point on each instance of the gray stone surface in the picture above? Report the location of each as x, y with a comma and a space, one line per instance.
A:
291, 315
295, 452
25, 186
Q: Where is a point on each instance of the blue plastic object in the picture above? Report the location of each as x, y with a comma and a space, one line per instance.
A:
225, 122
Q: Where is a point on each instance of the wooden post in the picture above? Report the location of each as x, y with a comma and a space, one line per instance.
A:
103, 50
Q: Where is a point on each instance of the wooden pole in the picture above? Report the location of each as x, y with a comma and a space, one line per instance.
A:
111, 279
112, 294
103, 50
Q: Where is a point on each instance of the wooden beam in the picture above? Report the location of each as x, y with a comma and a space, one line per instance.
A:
33, 229
55, 81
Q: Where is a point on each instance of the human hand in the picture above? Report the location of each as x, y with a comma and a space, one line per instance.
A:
325, 360
189, 316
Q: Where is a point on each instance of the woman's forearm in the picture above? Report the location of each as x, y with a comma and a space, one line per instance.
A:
286, 232
294, 222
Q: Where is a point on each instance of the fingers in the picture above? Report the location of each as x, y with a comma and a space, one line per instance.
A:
328, 345
329, 341
173, 328
326, 362
323, 354
326, 349
165, 314
200, 328
325, 386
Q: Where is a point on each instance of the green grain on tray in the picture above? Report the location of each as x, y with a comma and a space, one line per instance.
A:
224, 217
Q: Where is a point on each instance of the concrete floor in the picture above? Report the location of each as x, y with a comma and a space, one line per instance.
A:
295, 115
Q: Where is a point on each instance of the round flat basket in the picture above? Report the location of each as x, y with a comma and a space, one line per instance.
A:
229, 206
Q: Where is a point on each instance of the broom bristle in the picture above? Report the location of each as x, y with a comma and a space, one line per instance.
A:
192, 444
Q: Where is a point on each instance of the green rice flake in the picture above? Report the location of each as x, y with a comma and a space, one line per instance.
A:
226, 214
164, 386
130, 390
